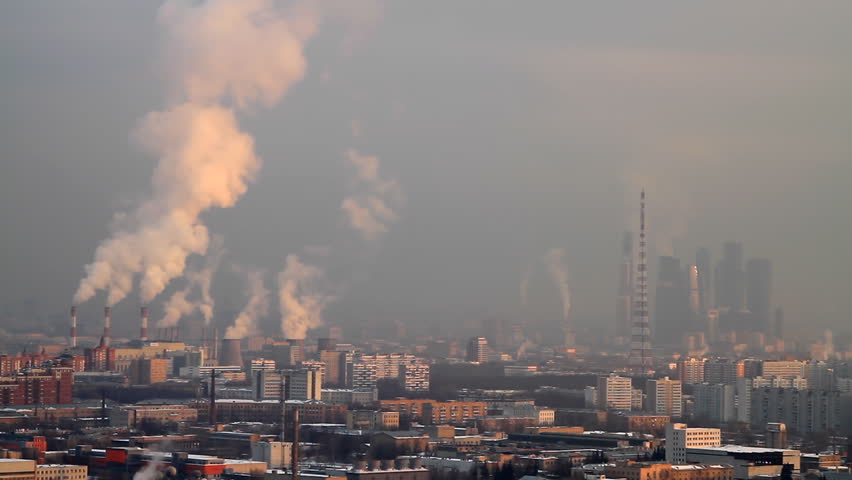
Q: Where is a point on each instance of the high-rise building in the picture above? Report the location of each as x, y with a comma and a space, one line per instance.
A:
614, 393
679, 437
664, 397
730, 278
820, 375
415, 377
303, 384
803, 410
266, 384
723, 371
364, 371
624, 301
145, 371
779, 323
672, 320
335, 367
758, 292
100, 358
477, 350
705, 279
783, 369
691, 370
362, 375
37, 386
693, 295
715, 402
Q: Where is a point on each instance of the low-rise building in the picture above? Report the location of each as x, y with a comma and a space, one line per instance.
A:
655, 471
680, 438
17, 469
748, 462
372, 420
61, 472
131, 415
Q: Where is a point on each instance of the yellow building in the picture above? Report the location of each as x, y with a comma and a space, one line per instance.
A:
17, 469
61, 472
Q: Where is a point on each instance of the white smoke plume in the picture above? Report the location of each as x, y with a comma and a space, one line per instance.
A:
559, 275
375, 201
220, 52
257, 306
303, 295
195, 295
370, 209
151, 471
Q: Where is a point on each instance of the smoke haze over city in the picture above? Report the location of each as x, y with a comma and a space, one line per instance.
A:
423, 160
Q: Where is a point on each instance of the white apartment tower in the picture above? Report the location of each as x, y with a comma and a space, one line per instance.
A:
614, 393
664, 397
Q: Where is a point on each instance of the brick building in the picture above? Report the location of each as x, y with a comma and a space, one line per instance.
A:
37, 386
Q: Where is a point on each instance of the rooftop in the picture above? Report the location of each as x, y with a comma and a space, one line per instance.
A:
743, 449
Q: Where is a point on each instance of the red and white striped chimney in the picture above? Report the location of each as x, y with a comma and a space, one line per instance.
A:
107, 325
72, 335
143, 329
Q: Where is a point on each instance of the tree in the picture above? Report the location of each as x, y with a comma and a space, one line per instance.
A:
598, 457
563, 470
507, 472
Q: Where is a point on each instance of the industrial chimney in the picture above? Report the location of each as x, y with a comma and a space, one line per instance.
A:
212, 409
296, 447
72, 335
143, 328
107, 326
231, 353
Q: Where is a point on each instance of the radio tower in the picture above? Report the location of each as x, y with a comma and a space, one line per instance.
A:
641, 359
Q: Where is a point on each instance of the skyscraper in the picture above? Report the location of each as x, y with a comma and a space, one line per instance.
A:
624, 302
758, 292
641, 357
730, 278
702, 261
672, 320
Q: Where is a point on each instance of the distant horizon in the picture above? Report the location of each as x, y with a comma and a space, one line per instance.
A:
394, 162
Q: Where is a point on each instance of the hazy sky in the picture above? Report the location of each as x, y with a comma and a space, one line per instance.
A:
512, 128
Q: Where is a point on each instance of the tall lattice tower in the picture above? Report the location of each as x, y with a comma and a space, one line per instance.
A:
641, 357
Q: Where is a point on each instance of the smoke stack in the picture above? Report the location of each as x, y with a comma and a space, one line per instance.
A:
72, 335
283, 399
296, 449
231, 352
107, 326
212, 413
143, 328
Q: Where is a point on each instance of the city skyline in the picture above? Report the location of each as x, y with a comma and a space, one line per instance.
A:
500, 201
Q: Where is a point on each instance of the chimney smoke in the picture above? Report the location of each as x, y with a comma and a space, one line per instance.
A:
223, 57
